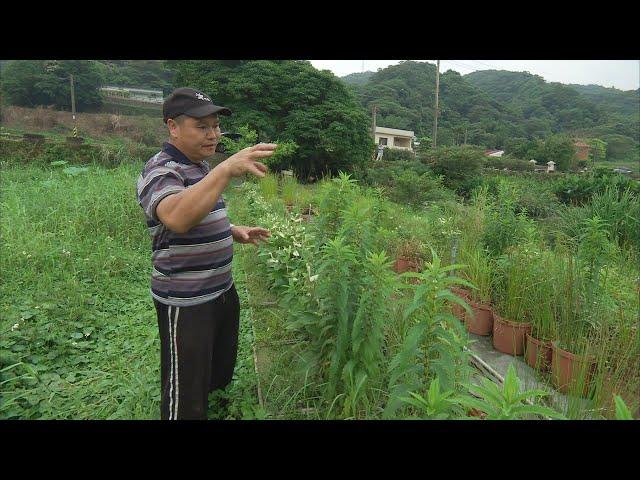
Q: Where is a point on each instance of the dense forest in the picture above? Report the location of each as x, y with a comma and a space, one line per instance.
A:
289, 99
491, 108
357, 78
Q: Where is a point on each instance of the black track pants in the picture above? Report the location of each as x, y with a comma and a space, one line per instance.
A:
198, 348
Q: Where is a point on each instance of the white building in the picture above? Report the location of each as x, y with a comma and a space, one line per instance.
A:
394, 138
134, 94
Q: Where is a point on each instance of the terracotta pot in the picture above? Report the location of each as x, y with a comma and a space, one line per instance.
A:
538, 353
461, 292
567, 369
405, 264
481, 322
457, 310
509, 336
474, 412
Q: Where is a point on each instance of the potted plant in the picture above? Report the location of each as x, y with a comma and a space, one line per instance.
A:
543, 321
480, 273
408, 256
571, 364
514, 300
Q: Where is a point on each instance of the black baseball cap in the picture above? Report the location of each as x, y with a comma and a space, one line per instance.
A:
187, 101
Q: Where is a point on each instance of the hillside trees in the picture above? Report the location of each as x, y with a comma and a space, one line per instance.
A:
287, 100
31, 83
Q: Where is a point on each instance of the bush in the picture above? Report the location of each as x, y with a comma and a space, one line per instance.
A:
383, 173
459, 166
45, 153
504, 227
417, 190
398, 155
580, 189
510, 163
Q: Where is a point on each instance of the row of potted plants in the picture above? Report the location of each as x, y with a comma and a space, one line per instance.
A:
515, 338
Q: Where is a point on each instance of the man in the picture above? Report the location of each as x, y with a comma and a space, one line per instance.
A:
380, 152
192, 243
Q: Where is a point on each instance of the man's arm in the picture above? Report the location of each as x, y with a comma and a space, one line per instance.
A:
182, 211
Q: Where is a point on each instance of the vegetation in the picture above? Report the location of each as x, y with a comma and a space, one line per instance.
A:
287, 101
30, 83
490, 108
333, 331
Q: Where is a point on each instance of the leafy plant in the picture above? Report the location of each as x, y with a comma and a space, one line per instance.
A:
434, 339
622, 411
507, 403
436, 405
480, 272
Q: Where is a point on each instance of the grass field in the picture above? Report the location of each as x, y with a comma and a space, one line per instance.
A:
79, 335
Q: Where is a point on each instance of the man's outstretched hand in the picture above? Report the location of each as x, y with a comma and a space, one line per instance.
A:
249, 234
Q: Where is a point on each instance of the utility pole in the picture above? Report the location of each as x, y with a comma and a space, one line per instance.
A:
73, 106
466, 128
435, 115
373, 122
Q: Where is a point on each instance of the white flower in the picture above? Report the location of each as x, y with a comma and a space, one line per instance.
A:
15, 327
313, 278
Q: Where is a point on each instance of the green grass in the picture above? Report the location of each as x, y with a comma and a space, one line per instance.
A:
79, 331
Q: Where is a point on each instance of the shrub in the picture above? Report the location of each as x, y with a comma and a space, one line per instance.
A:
459, 166
580, 189
510, 163
398, 155
504, 227
382, 173
418, 190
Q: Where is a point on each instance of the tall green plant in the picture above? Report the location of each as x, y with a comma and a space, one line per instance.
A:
433, 345
507, 403
480, 272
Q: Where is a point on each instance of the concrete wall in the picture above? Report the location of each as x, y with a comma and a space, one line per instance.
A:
395, 141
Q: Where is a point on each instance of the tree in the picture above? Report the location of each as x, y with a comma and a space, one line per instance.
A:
459, 166
287, 100
561, 150
598, 149
31, 83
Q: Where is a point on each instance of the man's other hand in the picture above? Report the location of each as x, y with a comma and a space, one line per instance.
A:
249, 234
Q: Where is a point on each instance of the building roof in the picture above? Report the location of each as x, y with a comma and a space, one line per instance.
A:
494, 153
579, 143
395, 131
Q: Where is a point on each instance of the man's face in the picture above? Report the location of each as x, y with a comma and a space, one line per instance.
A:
195, 137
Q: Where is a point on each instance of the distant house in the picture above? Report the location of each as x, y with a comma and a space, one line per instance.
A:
394, 138
133, 94
494, 153
582, 150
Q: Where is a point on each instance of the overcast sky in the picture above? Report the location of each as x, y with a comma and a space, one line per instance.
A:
622, 74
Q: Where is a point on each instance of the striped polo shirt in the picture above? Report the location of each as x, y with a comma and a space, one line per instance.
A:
193, 267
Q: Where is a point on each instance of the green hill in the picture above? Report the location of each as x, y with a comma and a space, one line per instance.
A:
405, 97
626, 103
560, 107
357, 78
